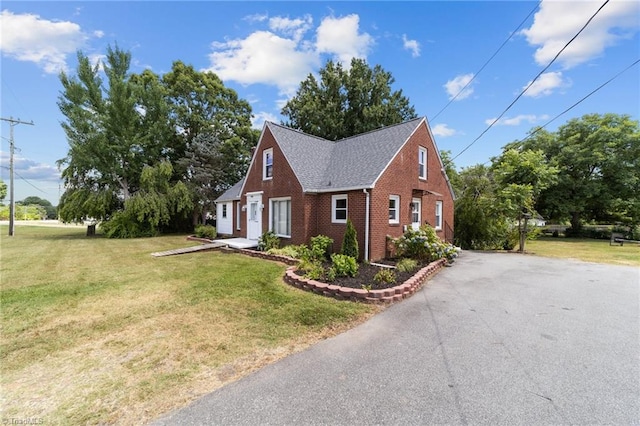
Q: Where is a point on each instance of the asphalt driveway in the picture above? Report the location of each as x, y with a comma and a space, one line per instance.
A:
497, 339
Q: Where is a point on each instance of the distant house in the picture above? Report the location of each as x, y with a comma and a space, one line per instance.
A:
537, 220
300, 186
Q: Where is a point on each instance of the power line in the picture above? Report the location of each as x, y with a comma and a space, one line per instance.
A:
539, 128
486, 63
532, 81
25, 179
12, 123
581, 100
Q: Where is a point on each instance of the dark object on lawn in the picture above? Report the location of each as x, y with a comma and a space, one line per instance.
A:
619, 238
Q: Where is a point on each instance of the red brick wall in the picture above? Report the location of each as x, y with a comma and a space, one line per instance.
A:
311, 213
355, 212
401, 178
283, 184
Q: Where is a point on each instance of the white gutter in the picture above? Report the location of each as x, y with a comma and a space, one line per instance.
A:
366, 225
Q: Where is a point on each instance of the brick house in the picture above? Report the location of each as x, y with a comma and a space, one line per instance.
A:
300, 186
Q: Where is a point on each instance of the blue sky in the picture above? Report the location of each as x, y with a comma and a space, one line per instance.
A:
264, 49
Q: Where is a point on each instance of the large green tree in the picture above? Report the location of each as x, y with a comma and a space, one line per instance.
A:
520, 176
598, 162
114, 129
480, 221
344, 102
211, 148
51, 211
121, 125
205, 166
152, 207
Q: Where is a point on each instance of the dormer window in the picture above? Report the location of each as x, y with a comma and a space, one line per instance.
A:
267, 164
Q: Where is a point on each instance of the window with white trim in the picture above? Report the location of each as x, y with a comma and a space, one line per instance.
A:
438, 224
267, 164
224, 211
422, 162
339, 208
280, 216
394, 209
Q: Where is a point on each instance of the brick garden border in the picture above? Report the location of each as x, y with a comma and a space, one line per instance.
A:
387, 295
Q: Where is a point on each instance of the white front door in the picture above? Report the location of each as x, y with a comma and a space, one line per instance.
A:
416, 215
254, 216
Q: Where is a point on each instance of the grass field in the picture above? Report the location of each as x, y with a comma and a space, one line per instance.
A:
598, 251
96, 331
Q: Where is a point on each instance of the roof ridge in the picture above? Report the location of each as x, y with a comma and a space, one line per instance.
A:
282, 126
381, 128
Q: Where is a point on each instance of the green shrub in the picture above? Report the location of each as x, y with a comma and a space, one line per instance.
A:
268, 240
320, 245
407, 265
425, 245
330, 274
292, 251
345, 266
385, 275
350, 241
206, 231
312, 270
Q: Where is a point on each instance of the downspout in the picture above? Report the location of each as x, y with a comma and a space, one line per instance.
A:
366, 225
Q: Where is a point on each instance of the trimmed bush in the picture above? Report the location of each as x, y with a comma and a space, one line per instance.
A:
206, 231
385, 275
423, 244
345, 266
320, 245
350, 241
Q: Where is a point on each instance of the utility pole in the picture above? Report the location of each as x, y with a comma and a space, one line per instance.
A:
12, 123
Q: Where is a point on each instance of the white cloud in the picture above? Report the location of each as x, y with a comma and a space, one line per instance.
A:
515, 121
281, 56
558, 21
256, 17
98, 33
28, 37
443, 130
263, 57
341, 37
295, 28
29, 169
546, 84
258, 119
454, 86
411, 45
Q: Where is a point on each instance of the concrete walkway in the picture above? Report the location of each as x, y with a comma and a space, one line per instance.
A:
497, 339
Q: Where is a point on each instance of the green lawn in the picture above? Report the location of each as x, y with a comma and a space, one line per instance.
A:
584, 249
97, 331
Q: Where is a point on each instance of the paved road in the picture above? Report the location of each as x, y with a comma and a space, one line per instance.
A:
497, 339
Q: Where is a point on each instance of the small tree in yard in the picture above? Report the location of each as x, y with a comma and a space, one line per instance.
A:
350, 241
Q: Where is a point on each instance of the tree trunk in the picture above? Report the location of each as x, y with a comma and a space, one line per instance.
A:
576, 223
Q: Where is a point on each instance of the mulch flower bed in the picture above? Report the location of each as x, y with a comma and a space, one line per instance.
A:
366, 273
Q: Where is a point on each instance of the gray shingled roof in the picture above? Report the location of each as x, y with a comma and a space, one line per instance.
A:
232, 193
351, 163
